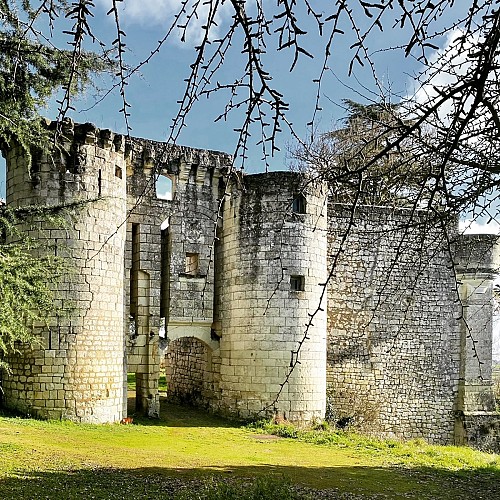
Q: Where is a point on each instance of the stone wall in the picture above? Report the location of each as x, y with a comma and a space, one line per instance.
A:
393, 332
272, 262
235, 274
482, 431
165, 295
78, 371
188, 369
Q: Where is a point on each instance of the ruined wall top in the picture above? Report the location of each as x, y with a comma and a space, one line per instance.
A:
72, 133
477, 254
161, 153
139, 151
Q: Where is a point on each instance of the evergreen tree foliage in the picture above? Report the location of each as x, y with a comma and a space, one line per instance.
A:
27, 279
32, 70
356, 162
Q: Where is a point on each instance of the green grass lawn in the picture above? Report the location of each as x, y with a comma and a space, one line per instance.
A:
188, 454
162, 383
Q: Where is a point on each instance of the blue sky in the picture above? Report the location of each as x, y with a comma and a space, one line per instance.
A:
153, 94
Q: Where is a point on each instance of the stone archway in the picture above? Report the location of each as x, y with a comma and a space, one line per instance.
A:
189, 373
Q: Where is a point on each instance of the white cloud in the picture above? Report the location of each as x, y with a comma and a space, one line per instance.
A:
446, 66
470, 226
162, 13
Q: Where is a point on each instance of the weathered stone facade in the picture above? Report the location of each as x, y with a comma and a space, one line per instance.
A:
270, 298
79, 374
394, 346
188, 369
272, 260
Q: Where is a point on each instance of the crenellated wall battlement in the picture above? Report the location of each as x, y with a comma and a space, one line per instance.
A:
142, 157
169, 157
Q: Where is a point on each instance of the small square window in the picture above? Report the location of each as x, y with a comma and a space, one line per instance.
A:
118, 172
192, 262
297, 283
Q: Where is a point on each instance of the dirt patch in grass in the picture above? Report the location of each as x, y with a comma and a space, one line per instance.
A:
266, 437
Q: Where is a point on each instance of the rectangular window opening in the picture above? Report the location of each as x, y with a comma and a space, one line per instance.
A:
299, 204
192, 263
164, 188
297, 283
118, 172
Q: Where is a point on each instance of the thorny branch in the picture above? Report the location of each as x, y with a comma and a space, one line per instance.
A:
119, 44
80, 12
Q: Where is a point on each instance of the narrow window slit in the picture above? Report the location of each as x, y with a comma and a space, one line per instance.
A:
299, 204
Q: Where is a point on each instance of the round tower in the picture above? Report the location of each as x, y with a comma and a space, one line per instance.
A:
78, 371
272, 304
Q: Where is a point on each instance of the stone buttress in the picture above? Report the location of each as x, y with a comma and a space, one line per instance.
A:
477, 266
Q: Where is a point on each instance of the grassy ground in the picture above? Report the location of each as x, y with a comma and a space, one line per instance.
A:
162, 383
187, 454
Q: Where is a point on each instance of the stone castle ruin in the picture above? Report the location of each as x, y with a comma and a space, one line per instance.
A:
258, 293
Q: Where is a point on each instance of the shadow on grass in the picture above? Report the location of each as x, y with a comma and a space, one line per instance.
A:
175, 415
343, 482
171, 415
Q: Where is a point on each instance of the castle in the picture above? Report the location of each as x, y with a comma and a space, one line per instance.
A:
265, 296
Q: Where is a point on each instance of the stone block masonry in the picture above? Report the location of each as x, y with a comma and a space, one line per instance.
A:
77, 373
393, 336
188, 369
409, 346
169, 255
265, 297
272, 262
